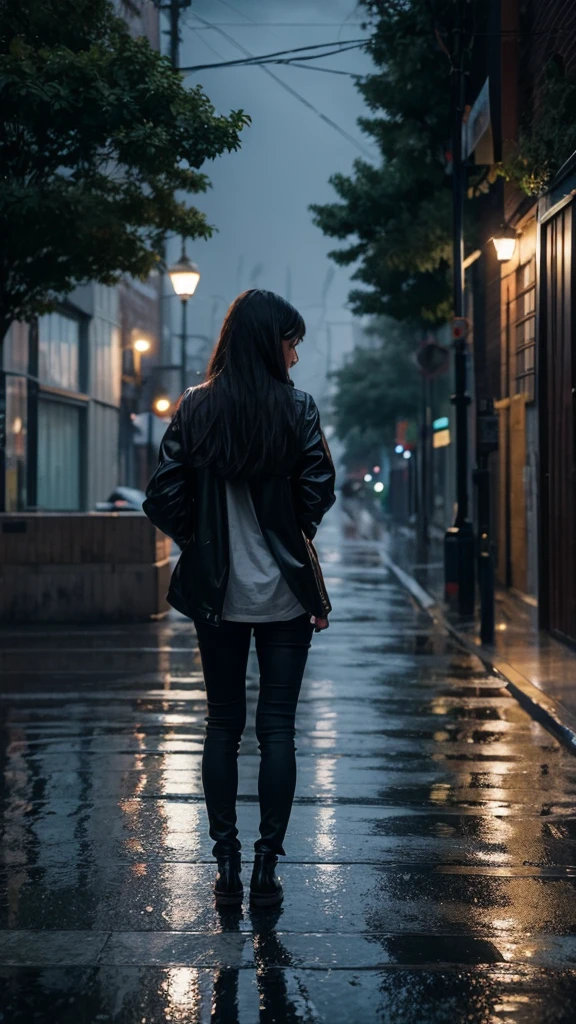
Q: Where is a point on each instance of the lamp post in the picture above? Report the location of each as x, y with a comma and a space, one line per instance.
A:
184, 276
459, 538
139, 346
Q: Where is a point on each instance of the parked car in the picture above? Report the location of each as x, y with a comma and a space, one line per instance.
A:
122, 499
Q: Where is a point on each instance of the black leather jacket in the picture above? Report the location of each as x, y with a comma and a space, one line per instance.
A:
189, 505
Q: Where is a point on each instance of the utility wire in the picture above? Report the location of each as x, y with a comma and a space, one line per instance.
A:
280, 24
270, 59
350, 44
293, 92
311, 67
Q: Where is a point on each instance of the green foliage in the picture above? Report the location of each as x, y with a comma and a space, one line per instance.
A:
397, 215
378, 385
547, 134
100, 146
363, 448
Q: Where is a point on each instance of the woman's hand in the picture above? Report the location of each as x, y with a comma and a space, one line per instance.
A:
319, 624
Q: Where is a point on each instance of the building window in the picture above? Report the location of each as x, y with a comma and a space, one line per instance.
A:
59, 351
59, 446
525, 329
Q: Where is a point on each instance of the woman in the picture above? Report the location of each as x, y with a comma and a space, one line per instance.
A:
243, 480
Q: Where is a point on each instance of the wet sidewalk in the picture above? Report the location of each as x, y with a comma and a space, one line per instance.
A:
431, 858
539, 670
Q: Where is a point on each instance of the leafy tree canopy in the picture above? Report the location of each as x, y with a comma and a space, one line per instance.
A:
100, 146
397, 216
378, 385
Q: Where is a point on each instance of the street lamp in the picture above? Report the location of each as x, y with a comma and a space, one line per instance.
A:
184, 276
505, 244
139, 348
161, 405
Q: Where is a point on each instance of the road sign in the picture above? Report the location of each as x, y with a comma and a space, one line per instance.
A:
460, 327
432, 358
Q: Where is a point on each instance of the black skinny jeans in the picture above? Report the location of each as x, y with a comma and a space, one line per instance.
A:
282, 650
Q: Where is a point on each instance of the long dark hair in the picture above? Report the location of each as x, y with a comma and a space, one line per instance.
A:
242, 418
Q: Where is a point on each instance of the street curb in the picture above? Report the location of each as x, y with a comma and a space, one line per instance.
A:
549, 712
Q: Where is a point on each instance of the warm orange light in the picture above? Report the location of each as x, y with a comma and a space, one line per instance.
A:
142, 345
162, 404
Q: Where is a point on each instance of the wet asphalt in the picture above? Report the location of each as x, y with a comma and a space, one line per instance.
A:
431, 856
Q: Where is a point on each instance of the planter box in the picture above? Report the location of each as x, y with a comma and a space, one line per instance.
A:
82, 567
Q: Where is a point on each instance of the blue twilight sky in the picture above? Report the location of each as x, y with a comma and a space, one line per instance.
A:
260, 195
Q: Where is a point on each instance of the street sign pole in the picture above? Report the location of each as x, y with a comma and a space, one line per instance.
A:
459, 539
486, 443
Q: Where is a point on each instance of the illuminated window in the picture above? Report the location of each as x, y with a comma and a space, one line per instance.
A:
525, 329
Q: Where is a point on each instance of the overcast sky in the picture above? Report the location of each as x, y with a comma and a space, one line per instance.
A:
260, 195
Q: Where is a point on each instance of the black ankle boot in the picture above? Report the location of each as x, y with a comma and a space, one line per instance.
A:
228, 889
265, 888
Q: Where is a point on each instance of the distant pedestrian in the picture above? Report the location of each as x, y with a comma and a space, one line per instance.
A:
243, 480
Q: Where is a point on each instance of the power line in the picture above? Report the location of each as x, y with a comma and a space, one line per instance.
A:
279, 24
293, 92
268, 59
349, 43
312, 67
272, 24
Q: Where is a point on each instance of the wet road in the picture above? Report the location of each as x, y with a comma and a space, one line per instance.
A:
431, 857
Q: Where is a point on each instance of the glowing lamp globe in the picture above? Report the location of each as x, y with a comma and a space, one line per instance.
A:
184, 276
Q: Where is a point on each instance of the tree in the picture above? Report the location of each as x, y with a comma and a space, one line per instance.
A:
397, 215
100, 147
378, 386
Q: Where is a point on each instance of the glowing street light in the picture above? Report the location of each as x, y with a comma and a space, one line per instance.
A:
141, 345
505, 244
407, 454
378, 486
161, 405
184, 276
367, 477
399, 449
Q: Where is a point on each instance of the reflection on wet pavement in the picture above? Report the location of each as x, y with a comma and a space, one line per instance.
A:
431, 859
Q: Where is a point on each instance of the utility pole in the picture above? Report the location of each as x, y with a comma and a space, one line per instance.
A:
459, 549
486, 443
174, 32
174, 8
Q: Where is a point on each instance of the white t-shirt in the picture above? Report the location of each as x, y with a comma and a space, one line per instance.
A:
256, 591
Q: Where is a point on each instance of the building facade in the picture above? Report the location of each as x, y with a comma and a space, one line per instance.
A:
524, 355
62, 378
